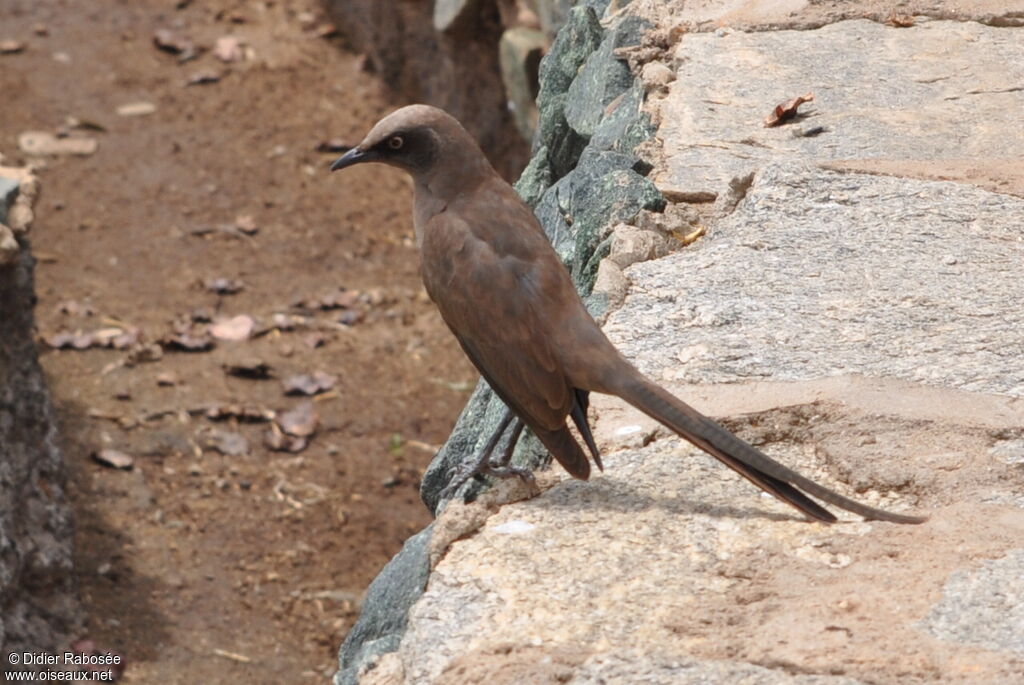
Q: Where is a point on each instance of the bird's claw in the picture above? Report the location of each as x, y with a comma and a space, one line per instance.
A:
463, 473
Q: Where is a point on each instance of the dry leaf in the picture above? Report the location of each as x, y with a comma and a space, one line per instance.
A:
175, 43
239, 413
228, 49
204, 77
246, 224
136, 109
900, 21
787, 110
309, 384
11, 47
253, 369
45, 143
282, 442
301, 421
224, 286
226, 442
237, 328
195, 340
115, 459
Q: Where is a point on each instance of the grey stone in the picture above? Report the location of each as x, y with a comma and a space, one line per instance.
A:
535, 179
520, 50
578, 212
8, 193
819, 273
983, 606
602, 78
573, 45
570, 49
625, 126
596, 204
385, 610
554, 13
553, 132
38, 606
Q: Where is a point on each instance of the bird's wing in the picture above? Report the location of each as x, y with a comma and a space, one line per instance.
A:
492, 302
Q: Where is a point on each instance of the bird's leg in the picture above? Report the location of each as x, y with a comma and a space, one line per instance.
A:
482, 464
501, 467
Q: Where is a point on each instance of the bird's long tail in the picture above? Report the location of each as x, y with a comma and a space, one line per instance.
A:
749, 462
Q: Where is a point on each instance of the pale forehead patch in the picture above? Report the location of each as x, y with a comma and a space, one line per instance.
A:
408, 117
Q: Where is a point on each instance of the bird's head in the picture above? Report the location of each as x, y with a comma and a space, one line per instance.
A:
420, 140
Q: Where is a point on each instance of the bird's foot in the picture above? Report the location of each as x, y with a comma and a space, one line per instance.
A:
508, 471
463, 473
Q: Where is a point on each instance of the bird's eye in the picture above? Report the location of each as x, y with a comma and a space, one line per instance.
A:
396, 142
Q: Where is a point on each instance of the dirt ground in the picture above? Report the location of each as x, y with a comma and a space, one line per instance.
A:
198, 566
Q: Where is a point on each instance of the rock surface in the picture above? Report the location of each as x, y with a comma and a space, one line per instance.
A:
38, 606
850, 306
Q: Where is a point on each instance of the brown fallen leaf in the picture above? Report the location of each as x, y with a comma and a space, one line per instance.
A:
201, 315
314, 340
114, 459
60, 340
195, 339
237, 328
253, 369
226, 442
309, 384
246, 224
227, 229
900, 21
351, 317
340, 299
335, 299
284, 322
301, 421
11, 47
244, 414
282, 442
136, 109
167, 379
46, 143
224, 286
786, 110
73, 122
143, 354
116, 338
228, 49
175, 43
204, 77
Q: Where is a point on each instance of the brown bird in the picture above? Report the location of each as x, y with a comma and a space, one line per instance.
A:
511, 304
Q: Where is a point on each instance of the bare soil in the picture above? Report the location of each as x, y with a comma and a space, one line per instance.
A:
197, 566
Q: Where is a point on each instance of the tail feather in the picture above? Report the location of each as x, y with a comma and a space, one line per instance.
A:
564, 448
751, 463
579, 417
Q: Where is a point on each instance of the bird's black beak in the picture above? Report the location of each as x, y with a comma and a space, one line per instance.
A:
353, 156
